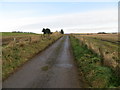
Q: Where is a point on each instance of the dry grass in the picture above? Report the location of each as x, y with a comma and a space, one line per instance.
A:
16, 53
103, 45
91, 65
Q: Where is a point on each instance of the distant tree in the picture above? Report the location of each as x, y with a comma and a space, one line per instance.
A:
101, 33
46, 31
62, 32
13, 31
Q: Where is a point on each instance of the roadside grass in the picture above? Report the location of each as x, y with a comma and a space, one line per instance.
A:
89, 63
15, 55
108, 51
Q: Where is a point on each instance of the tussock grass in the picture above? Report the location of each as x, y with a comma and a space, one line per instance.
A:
89, 63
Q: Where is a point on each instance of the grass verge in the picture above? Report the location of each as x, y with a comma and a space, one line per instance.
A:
90, 65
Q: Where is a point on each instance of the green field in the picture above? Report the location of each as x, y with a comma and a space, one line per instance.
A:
16, 34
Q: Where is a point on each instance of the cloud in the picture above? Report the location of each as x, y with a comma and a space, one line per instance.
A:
92, 21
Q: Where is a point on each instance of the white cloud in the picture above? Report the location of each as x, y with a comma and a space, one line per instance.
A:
93, 21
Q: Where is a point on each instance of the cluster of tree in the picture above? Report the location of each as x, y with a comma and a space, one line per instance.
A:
48, 31
101, 33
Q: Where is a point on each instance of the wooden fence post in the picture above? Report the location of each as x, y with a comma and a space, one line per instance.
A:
14, 39
102, 56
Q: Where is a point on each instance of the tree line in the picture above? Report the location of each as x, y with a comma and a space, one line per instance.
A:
48, 31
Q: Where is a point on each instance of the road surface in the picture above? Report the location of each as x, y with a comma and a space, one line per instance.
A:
53, 68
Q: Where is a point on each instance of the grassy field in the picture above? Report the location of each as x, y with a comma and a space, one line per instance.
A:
16, 34
8, 37
91, 66
105, 37
18, 48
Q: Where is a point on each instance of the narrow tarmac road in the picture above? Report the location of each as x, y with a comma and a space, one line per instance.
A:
53, 68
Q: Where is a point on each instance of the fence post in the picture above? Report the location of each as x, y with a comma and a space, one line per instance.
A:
102, 56
14, 39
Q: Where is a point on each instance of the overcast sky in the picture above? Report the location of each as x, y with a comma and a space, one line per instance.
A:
72, 17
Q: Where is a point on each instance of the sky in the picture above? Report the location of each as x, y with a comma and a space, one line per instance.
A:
72, 17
